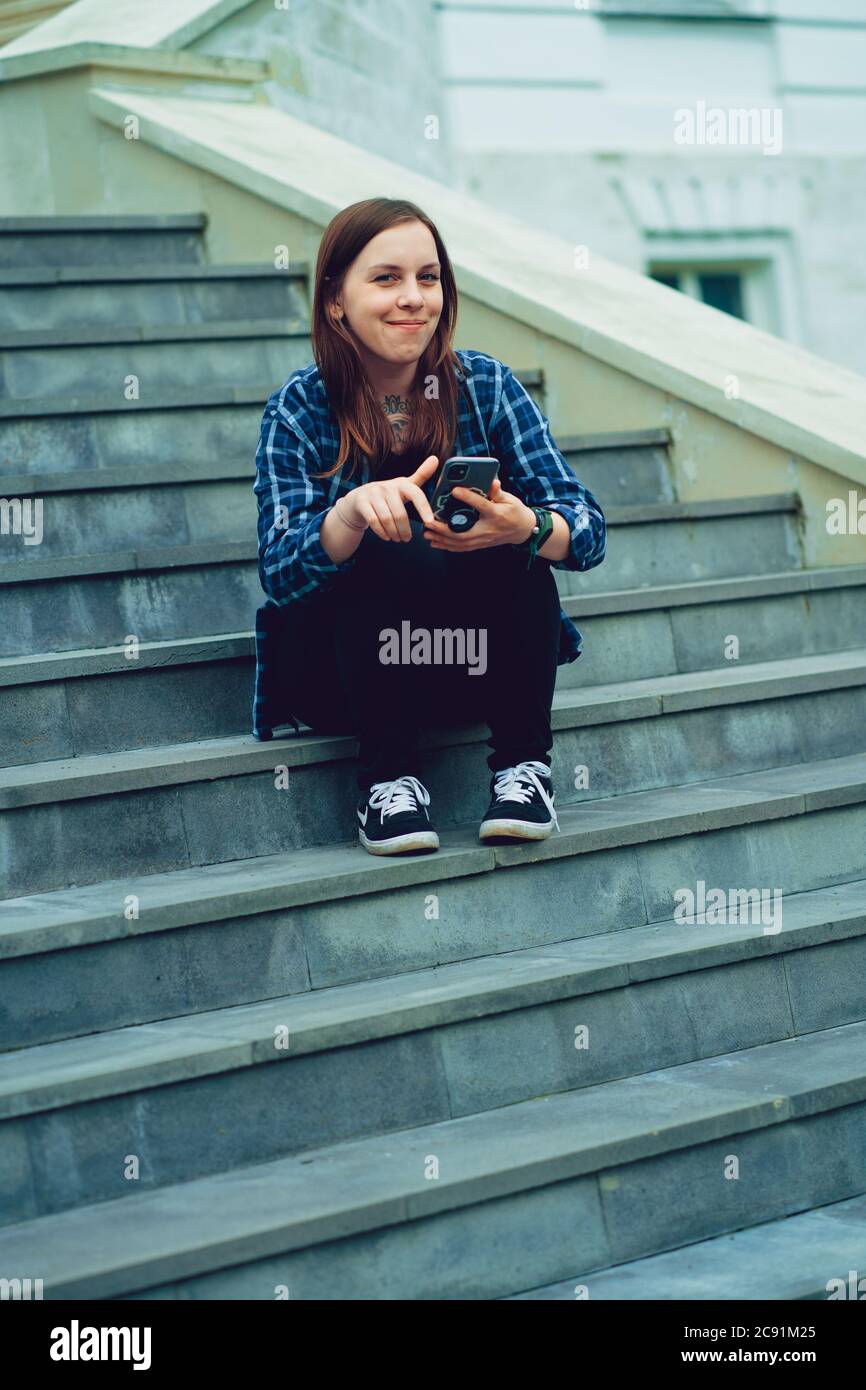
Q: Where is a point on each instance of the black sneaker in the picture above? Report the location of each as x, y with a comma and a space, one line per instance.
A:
393, 817
521, 806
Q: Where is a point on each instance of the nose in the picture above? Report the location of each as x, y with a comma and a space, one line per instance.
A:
411, 293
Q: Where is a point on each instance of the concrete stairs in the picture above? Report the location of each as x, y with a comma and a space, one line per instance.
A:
776, 1260
359, 1078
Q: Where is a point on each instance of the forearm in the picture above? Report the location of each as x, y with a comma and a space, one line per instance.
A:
339, 539
558, 543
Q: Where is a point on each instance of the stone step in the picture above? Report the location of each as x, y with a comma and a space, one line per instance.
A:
120, 507
665, 542
637, 633
820, 690
176, 940
63, 705
179, 355
193, 590
204, 585
613, 1171
192, 424
808, 1256
149, 295
627, 469
451, 1035
100, 241
675, 541
192, 792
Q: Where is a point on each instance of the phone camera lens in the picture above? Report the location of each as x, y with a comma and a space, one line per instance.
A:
459, 470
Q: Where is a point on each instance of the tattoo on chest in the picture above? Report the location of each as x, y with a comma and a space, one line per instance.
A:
396, 409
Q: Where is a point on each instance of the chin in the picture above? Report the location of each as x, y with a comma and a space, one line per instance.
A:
412, 353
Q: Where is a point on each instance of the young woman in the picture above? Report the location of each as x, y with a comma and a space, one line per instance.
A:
352, 555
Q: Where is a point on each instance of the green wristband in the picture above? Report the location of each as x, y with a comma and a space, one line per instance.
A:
538, 536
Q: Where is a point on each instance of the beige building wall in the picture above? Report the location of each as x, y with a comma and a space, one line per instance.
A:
368, 72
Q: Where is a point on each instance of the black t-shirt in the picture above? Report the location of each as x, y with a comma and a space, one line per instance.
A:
398, 465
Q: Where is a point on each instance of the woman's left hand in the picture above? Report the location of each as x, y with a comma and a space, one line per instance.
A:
503, 520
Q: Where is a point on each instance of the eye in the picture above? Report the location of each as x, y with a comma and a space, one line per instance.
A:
389, 274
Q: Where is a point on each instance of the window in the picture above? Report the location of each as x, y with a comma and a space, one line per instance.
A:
720, 288
752, 276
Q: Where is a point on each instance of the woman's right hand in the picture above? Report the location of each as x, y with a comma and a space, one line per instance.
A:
381, 504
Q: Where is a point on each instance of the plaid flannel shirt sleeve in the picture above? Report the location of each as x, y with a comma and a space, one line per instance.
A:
537, 472
293, 563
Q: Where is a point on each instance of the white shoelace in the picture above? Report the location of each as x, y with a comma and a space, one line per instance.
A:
510, 784
401, 794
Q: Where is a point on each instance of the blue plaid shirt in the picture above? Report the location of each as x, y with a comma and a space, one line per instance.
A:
300, 435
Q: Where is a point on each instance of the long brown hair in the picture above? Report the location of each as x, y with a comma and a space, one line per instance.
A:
433, 422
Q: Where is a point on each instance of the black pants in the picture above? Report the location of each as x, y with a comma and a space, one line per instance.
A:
344, 686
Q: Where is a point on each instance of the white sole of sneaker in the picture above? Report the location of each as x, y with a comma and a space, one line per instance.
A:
401, 844
514, 830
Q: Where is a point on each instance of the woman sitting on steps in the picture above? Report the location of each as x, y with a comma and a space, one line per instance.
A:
349, 565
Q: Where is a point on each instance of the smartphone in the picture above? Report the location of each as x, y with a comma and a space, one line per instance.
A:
474, 473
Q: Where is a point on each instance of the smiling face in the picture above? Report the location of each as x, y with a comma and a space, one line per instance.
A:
391, 297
